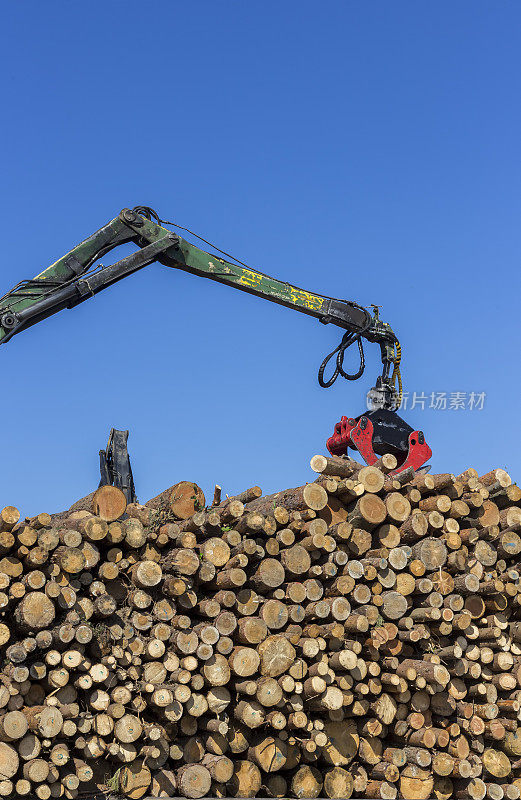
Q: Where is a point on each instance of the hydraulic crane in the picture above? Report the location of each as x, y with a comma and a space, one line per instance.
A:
78, 275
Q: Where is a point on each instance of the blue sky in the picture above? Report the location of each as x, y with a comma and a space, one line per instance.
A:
367, 151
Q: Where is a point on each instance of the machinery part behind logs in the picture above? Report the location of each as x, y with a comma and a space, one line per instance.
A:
115, 468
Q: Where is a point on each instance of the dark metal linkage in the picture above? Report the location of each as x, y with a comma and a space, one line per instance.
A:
115, 465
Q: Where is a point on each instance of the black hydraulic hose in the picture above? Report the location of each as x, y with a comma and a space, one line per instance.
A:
347, 340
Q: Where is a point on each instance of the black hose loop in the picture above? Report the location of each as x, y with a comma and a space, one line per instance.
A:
347, 340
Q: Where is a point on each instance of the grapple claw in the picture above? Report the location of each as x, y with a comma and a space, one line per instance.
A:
378, 432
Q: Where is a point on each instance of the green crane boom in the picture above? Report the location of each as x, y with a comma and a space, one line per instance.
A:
75, 277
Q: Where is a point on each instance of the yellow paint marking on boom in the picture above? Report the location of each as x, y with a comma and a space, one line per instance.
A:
250, 278
306, 299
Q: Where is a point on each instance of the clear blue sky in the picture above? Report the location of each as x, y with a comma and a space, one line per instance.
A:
363, 150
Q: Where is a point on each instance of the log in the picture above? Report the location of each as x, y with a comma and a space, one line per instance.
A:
307, 781
244, 661
311, 496
295, 560
398, 507
371, 478
369, 511
13, 725
163, 783
128, 729
432, 552
496, 763
34, 612
338, 783
108, 503
193, 780
326, 465
414, 528
270, 754
246, 780
276, 656
146, 574
9, 761
181, 500
416, 783
342, 742
269, 575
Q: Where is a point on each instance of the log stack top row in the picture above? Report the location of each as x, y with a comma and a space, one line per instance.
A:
357, 636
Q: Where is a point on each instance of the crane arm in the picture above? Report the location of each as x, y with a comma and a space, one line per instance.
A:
76, 276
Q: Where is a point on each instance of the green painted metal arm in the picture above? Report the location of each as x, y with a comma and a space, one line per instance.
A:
190, 258
74, 278
49, 288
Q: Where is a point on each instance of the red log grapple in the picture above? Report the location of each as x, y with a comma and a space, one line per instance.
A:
377, 432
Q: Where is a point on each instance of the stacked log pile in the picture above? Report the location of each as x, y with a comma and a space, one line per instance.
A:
359, 636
